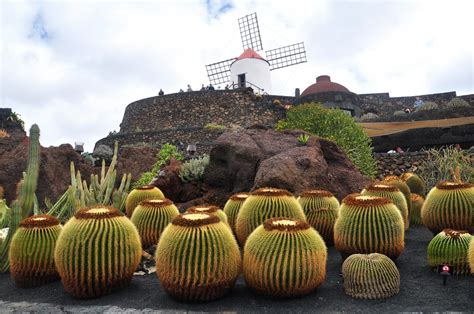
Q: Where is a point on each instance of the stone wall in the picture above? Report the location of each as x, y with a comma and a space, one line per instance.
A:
396, 164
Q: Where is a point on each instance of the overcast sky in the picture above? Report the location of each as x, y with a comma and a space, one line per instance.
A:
73, 66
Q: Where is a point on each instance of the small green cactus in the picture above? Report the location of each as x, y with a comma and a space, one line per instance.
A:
32, 251
369, 224
284, 257
197, 258
232, 208
416, 205
97, 252
209, 209
414, 182
151, 217
263, 204
370, 276
450, 247
142, 193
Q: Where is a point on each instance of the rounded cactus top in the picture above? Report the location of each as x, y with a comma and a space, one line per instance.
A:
39, 221
455, 234
450, 185
365, 200
285, 224
195, 219
156, 202
145, 187
391, 179
240, 196
316, 193
380, 186
203, 209
275, 192
416, 197
370, 257
98, 212
405, 176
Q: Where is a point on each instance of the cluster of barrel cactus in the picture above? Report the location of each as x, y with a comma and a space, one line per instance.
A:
140, 194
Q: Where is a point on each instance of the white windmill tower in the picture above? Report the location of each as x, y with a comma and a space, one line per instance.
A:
250, 69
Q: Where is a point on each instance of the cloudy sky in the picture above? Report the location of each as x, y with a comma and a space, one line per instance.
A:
73, 66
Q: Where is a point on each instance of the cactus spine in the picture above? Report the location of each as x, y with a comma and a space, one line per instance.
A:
416, 205
97, 252
369, 224
263, 204
449, 205
143, 193
370, 276
232, 208
197, 257
209, 209
284, 257
32, 251
151, 217
450, 247
414, 182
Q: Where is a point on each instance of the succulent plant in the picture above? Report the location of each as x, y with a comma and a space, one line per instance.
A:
369, 224
321, 209
197, 257
392, 193
142, 193
284, 257
32, 251
414, 182
97, 252
209, 209
263, 204
404, 188
450, 247
470, 255
232, 208
416, 205
370, 276
449, 205
151, 217
457, 102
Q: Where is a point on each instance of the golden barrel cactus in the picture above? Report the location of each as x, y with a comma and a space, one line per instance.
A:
450, 247
470, 255
140, 194
416, 205
284, 257
209, 209
232, 207
312, 199
414, 182
404, 188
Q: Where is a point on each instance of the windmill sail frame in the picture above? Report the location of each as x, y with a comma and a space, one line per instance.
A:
250, 32
286, 56
219, 72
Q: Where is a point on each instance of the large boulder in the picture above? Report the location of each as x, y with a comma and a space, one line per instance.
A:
136, 160
248, 159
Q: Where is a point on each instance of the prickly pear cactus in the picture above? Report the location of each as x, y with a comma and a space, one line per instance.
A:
450, 247
232, 208
137, 195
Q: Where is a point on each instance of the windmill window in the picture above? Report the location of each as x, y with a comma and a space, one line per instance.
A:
338, 97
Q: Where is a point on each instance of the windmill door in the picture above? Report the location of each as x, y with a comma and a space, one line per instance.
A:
241, 78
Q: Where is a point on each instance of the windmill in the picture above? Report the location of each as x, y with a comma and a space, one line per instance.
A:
250, 69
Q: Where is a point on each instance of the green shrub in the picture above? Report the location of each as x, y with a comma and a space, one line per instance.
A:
303, 139
429, 105
457, 103
193, 170
335, 125
399, 113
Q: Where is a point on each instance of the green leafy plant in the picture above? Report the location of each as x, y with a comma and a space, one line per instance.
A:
17, 118
303, 139
429, 105
457, 102
335, 125
193, 170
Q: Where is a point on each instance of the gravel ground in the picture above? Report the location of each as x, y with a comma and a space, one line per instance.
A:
421, 291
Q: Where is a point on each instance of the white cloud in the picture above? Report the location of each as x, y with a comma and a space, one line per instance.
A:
73, 66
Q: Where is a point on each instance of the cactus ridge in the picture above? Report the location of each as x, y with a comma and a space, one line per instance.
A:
96, 255
414, 182
470, 255
139, 194
416, 205
197, 258
370, 276
151, 217
404, 188
209, 209
232, 208
369, 224
449, 205
32, 251
450, 247
284, 258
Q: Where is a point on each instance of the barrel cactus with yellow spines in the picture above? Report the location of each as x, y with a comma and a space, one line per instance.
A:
209, 209
404, 188
470, 256
370, 276
392, 193
97, 252
263, 204
369, 224
151, 217
140, 194
284, 257
449, 205
197, 257
414, 182
450, 247
317, 199
416, 205
32, 251
232, 208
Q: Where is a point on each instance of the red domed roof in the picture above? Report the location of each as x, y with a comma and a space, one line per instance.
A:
249, 53
324, 84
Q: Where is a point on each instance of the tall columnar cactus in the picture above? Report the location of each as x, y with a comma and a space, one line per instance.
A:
151, 217
209, 209
263, 204
414, 182
416, 205
284, 257
370, 276
197, 257
32, 251
232, 208
137, 195
450, 247
392, 193
369, 224
404, 188
449, 205
470, 256
97, 252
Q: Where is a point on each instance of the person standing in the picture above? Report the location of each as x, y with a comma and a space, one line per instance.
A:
161, 93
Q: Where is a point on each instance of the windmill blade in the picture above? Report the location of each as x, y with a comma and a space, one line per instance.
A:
219, 72
250, 33
286, 56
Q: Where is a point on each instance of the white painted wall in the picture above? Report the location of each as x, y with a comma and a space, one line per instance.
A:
257, 71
